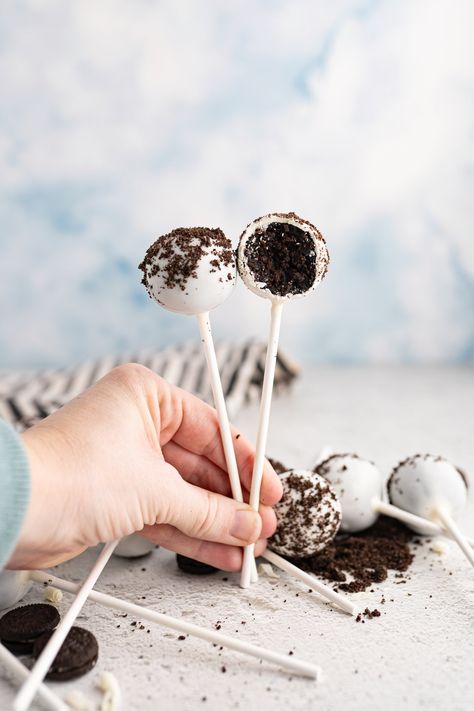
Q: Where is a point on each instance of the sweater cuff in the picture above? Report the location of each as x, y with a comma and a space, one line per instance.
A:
14, 489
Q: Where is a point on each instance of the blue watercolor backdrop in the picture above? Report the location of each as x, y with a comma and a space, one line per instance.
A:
120, 120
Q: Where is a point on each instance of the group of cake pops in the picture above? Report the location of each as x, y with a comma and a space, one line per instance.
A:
346, 493
282, 257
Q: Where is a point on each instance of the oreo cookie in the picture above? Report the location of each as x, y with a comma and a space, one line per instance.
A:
194, 567
78, 654
19, 628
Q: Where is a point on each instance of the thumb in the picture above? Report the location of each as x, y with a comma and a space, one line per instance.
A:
203, 514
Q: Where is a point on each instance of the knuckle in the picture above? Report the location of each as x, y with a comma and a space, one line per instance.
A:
206, 522
129, 373
212, 445
123, 372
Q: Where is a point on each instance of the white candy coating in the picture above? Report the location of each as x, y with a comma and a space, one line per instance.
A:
424, 482
308, 514
133, 546
245, 271
14, 584
210, 284
356, 482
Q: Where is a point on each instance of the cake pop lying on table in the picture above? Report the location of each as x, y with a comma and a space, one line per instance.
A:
432, 488
308, 515
280, 257
417, 486
358, 484
190, 271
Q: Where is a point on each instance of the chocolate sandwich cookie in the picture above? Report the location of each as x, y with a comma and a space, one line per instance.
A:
194, 567
20, 627
78, 654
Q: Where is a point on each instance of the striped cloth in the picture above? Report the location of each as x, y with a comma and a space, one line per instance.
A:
27, 397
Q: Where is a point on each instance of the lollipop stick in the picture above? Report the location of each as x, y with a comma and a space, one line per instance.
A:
454, 530
219, 402
43, 663
45, 695
144, 613
262, 434
310, 580
430, 528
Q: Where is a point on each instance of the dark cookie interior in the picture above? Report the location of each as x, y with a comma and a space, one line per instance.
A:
282, 257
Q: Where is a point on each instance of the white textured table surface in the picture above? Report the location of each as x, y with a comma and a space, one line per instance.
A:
418, 654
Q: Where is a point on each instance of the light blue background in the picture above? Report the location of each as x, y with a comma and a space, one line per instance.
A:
121, 120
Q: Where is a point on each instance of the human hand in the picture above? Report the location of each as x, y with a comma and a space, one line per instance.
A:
134, 453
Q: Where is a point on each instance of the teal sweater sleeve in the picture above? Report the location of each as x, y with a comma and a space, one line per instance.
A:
14, 489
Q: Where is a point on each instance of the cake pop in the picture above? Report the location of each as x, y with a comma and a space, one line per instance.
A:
356, 482
308, 515
14, 584
280, 257
133, 546
431, 487
192, 270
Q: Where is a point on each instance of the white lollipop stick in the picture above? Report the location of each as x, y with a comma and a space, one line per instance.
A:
444, 516
219, 402
310, 580
48, 699
262, 434
43, 663
431, 528
282, 660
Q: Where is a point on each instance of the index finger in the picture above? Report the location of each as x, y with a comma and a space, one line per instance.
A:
196, 428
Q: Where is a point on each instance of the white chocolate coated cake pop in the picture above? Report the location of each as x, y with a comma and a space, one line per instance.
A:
357, 482
191, 270
281, 256
423, 483
133, 546
308, 515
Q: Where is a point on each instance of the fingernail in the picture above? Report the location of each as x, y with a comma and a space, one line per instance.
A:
246, 525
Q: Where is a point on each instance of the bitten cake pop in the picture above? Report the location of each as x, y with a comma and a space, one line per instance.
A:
431, 487
356, 482
280, 257
308, 515
190, 271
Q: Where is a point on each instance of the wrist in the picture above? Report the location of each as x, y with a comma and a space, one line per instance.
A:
41, 535
14, 489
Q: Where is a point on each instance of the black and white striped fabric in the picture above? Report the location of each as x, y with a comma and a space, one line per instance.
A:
27, 397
